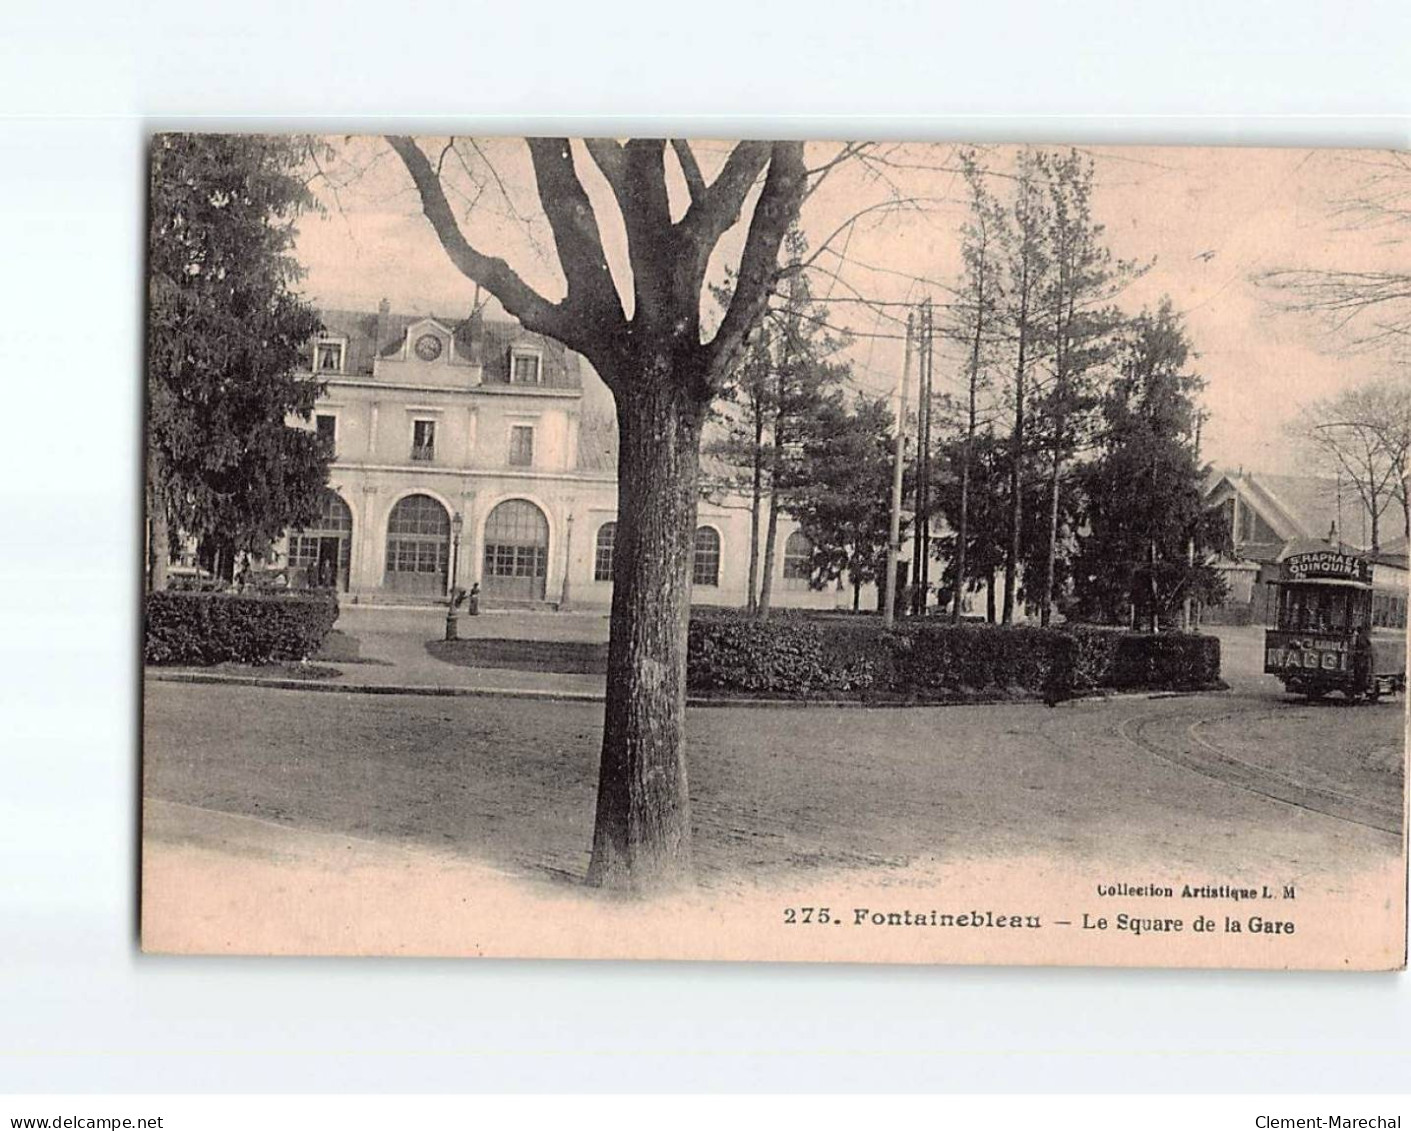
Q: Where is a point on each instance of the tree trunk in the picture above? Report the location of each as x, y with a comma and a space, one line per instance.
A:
158, 540
756, 495
957, 588
766, 588
771, 534
856, 595
1016, 507
1016, 470
1051, 555
923, 478
962, 536
990, 596
1154, 595
641, 839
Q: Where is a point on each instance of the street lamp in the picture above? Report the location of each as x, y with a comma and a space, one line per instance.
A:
454, 599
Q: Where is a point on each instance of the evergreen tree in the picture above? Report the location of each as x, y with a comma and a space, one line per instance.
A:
1143, 552
986, 544
974, 322
843, 495
783, 380
741, 421
226, 333
1083, 280
1027, 264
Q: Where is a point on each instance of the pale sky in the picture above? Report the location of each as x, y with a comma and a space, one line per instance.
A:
1210, 218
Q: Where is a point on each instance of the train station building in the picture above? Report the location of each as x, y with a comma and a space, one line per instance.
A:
471, 451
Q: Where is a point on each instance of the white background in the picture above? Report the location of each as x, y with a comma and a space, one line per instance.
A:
82, 83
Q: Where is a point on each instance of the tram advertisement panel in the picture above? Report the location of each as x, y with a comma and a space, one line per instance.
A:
1318, 565
1286, 651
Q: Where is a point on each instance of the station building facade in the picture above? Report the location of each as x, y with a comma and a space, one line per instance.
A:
472, 451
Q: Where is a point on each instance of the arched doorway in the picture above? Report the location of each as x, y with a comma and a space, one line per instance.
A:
324, 550
516, 552
418, 546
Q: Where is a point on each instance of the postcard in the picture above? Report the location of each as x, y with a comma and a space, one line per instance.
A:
775, 550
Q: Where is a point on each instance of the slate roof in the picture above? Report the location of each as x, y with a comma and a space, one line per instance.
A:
1306, 506
478, 340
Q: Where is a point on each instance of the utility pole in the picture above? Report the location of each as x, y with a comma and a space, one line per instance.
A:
926, 462
921, 525
894, 534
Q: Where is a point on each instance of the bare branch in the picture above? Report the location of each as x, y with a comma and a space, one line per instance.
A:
718, 209
690, 168
494, 274
778, 205
607, 155
591, 291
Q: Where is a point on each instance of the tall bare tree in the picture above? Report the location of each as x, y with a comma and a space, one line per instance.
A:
1364, 435
740, 443
1367, 306
1083, 281
663, 372
973, 318
1027, 265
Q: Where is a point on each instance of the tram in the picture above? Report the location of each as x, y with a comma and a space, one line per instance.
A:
1334, 628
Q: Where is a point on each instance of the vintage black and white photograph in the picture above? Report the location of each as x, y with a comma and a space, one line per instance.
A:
775, 550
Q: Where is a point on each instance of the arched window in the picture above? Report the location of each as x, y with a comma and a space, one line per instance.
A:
418, 545
705, 568
798, 561
602, 552
325, 548
516, 551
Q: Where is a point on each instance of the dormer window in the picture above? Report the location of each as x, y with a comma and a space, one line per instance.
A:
526, 367
328, 356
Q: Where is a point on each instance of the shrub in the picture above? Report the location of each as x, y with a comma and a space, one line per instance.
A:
779, 657
1176, 660
982, 657
797, 657
1123, 660
801, 657
210, 628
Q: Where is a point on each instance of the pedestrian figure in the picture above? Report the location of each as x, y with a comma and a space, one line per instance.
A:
1362, 655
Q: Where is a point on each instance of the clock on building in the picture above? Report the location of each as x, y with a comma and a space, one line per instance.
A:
428, 347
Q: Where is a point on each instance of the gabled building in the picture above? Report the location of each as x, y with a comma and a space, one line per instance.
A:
471, 451
1266, 514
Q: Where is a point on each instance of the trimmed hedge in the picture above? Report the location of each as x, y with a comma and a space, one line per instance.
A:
1129, 661
212, 628
797, 657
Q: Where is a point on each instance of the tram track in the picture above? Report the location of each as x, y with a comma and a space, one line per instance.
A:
1176, 738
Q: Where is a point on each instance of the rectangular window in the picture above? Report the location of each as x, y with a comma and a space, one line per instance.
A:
328, 357
522, 446
525, 369
327, 429
424, 440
